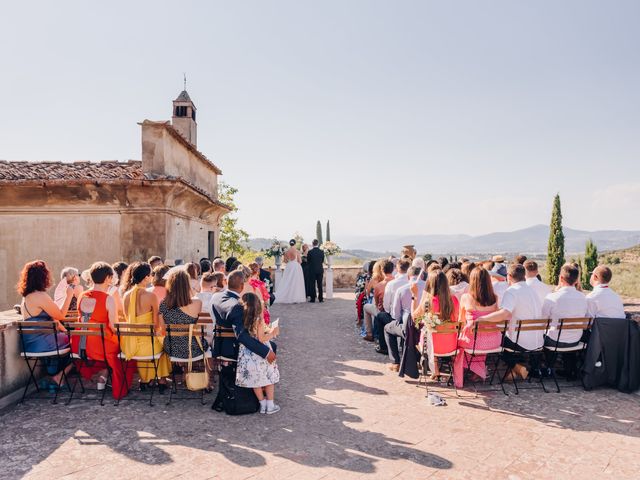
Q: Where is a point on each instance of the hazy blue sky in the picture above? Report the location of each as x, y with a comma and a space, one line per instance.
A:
384, 116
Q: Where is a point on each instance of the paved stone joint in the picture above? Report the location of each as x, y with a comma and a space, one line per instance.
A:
343, 416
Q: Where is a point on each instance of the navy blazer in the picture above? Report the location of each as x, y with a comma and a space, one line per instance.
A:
227, 311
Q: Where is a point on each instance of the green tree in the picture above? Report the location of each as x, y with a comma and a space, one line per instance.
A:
319, 233
590, 263
328, 232
555, 249
233, 240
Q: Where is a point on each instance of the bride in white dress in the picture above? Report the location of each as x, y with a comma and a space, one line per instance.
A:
291, 286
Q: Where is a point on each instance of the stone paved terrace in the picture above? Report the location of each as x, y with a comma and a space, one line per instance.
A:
343, 416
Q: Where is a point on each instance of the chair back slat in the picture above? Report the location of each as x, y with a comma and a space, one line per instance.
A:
223, 332
445, 338
28, 327
183, 330
81, 329
483, 326
541, 324
575, 323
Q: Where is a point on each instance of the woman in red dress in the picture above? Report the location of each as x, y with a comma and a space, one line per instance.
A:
97, 306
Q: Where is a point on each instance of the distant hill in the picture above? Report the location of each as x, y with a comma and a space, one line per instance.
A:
532, 240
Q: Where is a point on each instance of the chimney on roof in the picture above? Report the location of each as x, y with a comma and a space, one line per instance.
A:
184, 117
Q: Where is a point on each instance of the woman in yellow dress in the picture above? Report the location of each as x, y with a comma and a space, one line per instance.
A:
141, 307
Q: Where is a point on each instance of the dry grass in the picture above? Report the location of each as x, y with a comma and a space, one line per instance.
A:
626, 279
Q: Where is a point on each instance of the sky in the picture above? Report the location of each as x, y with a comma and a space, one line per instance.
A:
403, 117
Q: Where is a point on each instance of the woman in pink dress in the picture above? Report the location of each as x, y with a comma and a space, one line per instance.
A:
478, 302
260, 289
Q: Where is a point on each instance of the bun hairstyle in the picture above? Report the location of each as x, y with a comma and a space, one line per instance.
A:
135, 274
292, 242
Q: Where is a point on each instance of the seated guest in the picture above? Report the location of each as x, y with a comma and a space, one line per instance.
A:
361, 283
499, 266
208, 286
154, 261
437, 300
97, 306
401, 313
158, 282
458, 283
260, 289
205, 266
499, 283
192, 270
119, 268
533, 280
520, 259
229, 264
478, 302
38, 306
68, 276
604, 302
371, 308
218, 265
519, 302
467, 267
443, 262
566, 302
179, 308
141, 308
86, 278
391, 286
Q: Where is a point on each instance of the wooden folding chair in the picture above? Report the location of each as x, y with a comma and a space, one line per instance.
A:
27, 327
535, 325
444, 340
175, 331
568, 324
84, 330
147, 331
483, 327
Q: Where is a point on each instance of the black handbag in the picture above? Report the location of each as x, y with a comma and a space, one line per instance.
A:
231, 399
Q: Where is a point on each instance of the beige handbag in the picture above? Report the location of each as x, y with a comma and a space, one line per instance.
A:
196, 380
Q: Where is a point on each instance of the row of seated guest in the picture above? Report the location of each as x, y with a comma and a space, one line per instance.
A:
470, 292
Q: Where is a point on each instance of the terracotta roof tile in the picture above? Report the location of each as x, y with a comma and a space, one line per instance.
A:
107, 170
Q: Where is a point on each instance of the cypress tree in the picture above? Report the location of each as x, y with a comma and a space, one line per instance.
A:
328, 232
555, 250
590, 263
319, 233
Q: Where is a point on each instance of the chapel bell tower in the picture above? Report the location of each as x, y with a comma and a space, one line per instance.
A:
184, 117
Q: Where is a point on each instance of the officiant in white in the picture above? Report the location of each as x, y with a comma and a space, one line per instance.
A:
290, 289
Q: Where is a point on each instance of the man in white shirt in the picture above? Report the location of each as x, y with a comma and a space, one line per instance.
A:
542, 289
384, 317
604, 302
500, 285
566, 302
519, 302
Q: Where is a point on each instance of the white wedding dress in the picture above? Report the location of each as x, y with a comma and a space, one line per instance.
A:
291, 289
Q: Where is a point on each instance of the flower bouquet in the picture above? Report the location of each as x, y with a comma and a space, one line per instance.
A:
429, 321
330, 248
275, 250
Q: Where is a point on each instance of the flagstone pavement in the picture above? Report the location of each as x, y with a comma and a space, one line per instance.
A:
344, 416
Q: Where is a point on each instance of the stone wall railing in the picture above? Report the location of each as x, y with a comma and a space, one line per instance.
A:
344, 277
13, 369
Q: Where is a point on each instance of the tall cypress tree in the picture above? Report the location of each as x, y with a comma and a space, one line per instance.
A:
328, 232
319, 233
590, 263
555, 250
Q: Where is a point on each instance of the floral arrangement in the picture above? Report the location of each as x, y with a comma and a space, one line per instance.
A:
275, 250
429, 320
330, 248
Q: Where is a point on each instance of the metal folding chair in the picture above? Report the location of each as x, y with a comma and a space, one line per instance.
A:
568, 324
482, 327
176, 331
444, 340
536, 325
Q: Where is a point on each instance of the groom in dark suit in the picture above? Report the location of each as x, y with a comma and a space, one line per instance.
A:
315, 260
228, 313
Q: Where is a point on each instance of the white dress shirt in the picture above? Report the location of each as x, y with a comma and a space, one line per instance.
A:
542, 289
523, 303
567, 302
390, 290
605, 303
499, 288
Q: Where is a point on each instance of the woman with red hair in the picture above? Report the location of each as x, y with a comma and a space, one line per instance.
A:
38, 306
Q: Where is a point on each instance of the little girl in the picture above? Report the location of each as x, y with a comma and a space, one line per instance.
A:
253, 371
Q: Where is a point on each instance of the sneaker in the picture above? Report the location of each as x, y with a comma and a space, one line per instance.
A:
263, 408
101, 383
274, 409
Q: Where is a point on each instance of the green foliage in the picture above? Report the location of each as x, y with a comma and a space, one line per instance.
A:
555, 250
590, 263
299, 240
233, 240
328, 232
611, 260
319, 233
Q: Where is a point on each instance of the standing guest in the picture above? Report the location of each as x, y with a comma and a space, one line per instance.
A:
315, 258
192, 270
480, 301
458, 282
519, 302
154, 261
565, 302
218, 266
253, 370
260, 289
229, 264
38, 306
533, 280
68, 276
179, 308
391, 286
141, 307
97, 306
604, 302
205, 266
520, 259
158, 283
265, 276
305, 270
